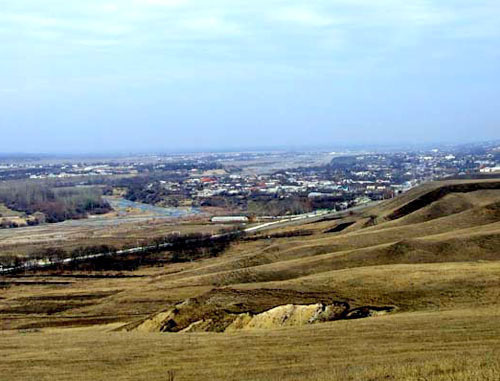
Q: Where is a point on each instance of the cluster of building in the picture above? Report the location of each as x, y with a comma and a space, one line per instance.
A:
17, 171
345, 181
239, 181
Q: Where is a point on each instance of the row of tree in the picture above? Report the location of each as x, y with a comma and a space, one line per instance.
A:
57, 204
158, 251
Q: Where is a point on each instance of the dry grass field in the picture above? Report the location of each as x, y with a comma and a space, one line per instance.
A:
6, 212
448, 345
414, 284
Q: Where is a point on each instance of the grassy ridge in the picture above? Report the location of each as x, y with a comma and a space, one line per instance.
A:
438, 264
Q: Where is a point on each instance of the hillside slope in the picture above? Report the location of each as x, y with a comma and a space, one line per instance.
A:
423, 267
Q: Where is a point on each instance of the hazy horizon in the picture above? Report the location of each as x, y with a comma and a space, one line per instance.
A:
187, 75
339, 149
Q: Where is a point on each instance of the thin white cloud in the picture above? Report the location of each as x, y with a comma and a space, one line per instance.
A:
264, 30
162, 3
97, 42
30, 20
303, 16
212, 25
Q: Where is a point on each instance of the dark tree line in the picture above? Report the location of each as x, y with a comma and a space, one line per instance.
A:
181, 248
57, 204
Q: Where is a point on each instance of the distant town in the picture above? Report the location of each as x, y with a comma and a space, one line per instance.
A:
239, 184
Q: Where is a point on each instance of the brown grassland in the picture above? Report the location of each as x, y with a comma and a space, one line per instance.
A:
436, 262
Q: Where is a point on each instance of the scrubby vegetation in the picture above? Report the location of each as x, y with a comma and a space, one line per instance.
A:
285, 234
276, 206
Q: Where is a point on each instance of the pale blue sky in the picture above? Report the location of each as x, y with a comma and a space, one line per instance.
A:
143, 75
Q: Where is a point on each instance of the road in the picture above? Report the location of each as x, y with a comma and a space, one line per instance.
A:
307, 218
43, 263
286, 221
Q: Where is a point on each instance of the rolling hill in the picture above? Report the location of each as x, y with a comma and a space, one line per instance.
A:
407, 289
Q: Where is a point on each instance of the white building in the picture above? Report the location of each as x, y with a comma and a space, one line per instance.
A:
227, 219
490, 170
